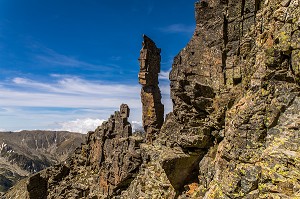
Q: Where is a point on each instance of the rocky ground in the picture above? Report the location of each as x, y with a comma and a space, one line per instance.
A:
27, 152
234, 129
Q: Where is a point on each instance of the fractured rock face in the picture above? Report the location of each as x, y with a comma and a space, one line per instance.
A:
153, 109
245, 52
115, 152
234, 130
103, 166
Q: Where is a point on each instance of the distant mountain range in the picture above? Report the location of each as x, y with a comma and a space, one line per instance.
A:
26, 152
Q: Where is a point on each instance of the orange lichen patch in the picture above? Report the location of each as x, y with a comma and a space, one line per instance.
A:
269, 43
192, 188
103, 184
117, 178
95, 152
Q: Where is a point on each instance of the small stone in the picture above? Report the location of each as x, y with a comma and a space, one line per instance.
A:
285, 3
280, 14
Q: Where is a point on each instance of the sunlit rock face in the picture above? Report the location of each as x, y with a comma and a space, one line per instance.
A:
234, 129
237, 80
101, 167
153, 109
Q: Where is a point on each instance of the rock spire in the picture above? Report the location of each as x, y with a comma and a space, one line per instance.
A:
153, 109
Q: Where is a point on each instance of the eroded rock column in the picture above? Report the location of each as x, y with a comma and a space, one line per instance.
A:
153, 109
115, 152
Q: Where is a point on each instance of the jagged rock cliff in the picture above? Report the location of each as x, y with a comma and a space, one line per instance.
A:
234, 129
103, 166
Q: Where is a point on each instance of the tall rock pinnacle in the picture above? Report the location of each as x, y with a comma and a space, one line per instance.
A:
153, 109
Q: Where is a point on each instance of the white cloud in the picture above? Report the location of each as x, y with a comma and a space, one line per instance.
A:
80, 125
116, 58
68, 92
47, 56
137, 126
88, 124
30, 104
178, 28
30, 99
164, 75
32, 84
165, 90
46, 118
75, 85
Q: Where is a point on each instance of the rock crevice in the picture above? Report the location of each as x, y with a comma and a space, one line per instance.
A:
233, 132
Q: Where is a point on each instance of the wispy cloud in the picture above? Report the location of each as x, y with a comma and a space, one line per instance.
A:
178, 28
71, 92
164, 75
77, 86
150, 7
47, 118
137, 126
116, 58
46, 55
19, 81
66, 101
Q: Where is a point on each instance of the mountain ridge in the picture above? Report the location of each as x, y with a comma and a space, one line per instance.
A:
234, 126
26, 152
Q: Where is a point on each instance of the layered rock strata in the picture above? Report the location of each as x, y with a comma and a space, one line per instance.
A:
242, 86
234, 129
235, 91
153, 109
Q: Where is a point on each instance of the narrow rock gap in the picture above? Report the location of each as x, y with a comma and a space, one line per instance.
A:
243, 7
193, 178
289, 59
225, 42
174, 165
257, 5
242, 16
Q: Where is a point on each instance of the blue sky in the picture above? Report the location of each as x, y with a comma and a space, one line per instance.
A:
68, 64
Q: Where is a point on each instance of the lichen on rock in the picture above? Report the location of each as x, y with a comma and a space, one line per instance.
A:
234, 128
153, 109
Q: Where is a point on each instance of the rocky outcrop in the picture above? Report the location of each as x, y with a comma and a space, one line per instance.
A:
235, 91
102, 167
153, 109
114, 152
27, 152
239, 86
233, 132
